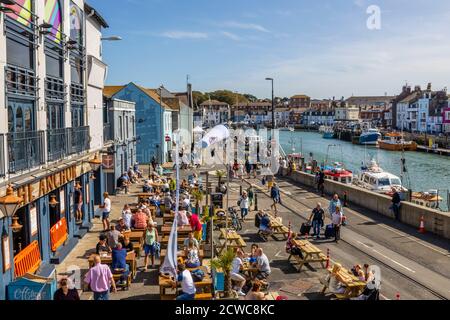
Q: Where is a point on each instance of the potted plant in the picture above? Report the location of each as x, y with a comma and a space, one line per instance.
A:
224, 263
198, 196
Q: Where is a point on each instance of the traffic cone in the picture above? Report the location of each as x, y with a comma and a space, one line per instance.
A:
397, 296
422, 225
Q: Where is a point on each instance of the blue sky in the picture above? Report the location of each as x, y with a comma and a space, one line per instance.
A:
319, 47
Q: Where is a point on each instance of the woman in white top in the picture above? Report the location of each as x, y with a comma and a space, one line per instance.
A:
244, 202
237, 264
182, 218
126, 215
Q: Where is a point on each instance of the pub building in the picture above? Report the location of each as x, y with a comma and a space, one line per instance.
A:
51, 142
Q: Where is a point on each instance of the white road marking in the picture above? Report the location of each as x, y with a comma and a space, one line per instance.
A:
278, 254
398, 263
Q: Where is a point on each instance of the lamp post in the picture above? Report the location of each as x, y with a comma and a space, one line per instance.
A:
9, 203
273, 104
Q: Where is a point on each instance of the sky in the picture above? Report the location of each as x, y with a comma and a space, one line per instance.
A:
322, 48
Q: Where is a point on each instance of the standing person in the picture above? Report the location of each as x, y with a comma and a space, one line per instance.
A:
78, 199
153, 163
64, 293
335, 202
100, 279
317, 217
126, 215
396, 202
270, 181
106, 206
251, 195
337, 222
151, 237
248, 168
187, 283
321, 182
196, 225
243, 204
113, 237
275, 195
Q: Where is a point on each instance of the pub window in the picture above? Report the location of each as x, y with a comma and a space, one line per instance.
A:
55, 212
19, 52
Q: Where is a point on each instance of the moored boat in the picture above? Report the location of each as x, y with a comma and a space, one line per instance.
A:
338, 173
369, 137
430, 199
328, 133
394, 142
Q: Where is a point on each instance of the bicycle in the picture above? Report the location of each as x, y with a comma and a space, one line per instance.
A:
235, 222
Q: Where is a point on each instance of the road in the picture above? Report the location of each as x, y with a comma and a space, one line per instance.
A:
415, 266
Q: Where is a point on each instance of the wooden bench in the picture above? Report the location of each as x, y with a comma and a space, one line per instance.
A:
311, 254
117, 276
28, 260
203, 296
353, 286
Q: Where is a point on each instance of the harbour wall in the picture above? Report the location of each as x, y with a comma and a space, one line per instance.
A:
436, 221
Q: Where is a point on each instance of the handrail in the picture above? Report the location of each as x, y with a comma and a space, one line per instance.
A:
28, 260
58, 234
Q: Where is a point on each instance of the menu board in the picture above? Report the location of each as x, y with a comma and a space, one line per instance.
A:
33, 221
62, 201
6, 254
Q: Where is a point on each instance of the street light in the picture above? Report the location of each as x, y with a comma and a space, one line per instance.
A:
10, 202
111, 38
273, 104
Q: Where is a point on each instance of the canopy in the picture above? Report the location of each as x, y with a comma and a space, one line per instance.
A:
216, 134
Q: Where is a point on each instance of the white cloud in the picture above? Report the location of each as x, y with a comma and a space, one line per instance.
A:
184, 35
231, 36
359, 3
245, 26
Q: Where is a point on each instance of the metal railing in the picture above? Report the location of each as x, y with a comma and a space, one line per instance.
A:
20, 81
2, 156
55, 89
78, 139
25, 150
77, 93
57, 144
107, 132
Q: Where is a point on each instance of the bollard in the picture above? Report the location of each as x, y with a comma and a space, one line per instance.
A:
256, 202
328, 259
240, 190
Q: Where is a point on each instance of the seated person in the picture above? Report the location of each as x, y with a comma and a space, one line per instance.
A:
121, 226
255, 293
358, 272
236, 276
119, 263
127, 244
136, 170
262, 264
183, 219
291, 248
188, 239
335, 280
192, 259
168, 202
264, 225
184, 185
140, 220
113, 236
147, 188
102, 245
252, 257
165, 187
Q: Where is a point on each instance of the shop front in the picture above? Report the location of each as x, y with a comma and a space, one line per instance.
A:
46, 227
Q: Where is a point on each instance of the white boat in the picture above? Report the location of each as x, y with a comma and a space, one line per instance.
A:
375, 179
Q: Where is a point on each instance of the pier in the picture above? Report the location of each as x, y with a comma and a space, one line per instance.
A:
440, 151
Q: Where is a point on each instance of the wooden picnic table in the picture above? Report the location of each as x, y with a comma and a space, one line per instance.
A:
278, 228
353, 285
311, 254
169, 217
204, 286
182, 230
180, 253
131, 261
231, 239
135, 236
249, 269
144, 196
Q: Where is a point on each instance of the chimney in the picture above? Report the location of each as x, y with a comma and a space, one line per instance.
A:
429, 86
417, 88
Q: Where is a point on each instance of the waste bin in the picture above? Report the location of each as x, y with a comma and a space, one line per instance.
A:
217, 200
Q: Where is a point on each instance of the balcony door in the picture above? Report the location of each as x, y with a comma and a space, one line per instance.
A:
56, 134
77, 116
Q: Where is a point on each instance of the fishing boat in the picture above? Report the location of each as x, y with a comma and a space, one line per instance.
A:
337, 172
328, 133
369, 137
430, 199
395, 142
374, 178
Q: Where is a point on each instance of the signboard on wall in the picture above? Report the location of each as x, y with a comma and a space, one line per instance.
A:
6, 254
108, 163
62, 201
88, 196
33, 220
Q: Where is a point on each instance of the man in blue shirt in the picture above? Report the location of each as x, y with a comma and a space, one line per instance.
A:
119, 263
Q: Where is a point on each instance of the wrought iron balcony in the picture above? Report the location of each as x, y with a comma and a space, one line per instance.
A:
20, 81
107, 132
55, 89
57, 144
78, 139
2, 155
25, 150
77, 93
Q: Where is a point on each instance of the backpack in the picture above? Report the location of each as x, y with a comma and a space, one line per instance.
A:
197, 275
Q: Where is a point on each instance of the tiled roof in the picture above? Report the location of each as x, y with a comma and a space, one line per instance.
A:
300, 96
154, 94
410, 98
213, 103
109, 91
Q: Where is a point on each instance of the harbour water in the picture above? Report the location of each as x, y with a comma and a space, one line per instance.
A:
425, 171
